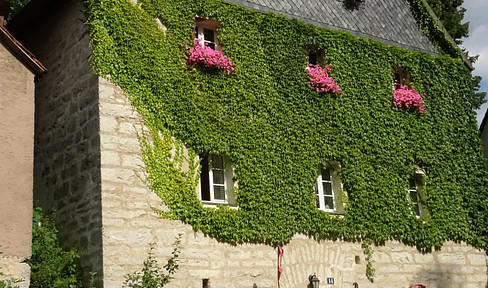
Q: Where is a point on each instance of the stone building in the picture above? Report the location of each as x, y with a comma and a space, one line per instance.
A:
19, 69
88, 166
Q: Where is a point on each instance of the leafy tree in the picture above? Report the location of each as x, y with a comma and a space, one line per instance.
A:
451, 14
16, 6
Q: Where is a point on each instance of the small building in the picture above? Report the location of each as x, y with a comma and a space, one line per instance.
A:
19, 70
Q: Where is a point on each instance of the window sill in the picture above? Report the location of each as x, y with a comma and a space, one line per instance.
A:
215, 205
332, 212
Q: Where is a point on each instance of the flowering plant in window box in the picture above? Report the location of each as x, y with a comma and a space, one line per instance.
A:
321, 81
204, 56
406, 97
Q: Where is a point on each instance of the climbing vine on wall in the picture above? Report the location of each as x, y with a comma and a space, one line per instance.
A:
277, 131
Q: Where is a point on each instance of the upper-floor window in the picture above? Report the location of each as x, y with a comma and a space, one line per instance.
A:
216, 184
413, 192
402, 77
416, 184
206, 30
316, 56
327, 191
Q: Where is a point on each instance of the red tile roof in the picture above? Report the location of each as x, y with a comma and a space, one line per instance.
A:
29, 59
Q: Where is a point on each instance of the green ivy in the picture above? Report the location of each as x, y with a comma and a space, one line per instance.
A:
433, 29
277, 131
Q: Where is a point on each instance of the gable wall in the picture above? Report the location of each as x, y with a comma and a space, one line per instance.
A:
67, 142
130, 225
16, 162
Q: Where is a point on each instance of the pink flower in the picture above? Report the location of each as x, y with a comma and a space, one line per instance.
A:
406, 97
202, 55
321, 81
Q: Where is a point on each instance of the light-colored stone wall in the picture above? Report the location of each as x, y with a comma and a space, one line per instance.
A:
67, 142
16, 164
130, 225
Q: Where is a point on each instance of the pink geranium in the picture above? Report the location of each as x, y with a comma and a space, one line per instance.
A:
202, 55
406, 97
321, 81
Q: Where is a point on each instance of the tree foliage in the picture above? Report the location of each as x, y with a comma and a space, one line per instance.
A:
16, 6
451, 14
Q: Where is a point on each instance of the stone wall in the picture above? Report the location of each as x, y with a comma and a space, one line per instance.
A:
67, 142
130, 225
16, 162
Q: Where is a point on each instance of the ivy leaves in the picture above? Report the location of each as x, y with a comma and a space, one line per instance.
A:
277, 131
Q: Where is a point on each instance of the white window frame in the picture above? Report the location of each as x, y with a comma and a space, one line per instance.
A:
319, 190
416, 190
201, 25
211, 170
228, 185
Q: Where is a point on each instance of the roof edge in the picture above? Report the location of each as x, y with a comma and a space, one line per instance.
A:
28, 58
443, 30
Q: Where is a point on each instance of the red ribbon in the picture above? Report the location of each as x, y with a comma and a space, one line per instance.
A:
280, 263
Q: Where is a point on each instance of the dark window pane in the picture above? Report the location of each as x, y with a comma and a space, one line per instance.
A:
208, 35
414, 195
412, 183
325, 174
329, 202
219, 192
312, 58
317, 201
205, 181
211, 45
327, 188
217, 162
218, 176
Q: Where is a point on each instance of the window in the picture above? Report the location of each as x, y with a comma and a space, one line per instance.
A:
316, 56
415, 197
402, 77
414, 193
216, 185
327, 191
205, 30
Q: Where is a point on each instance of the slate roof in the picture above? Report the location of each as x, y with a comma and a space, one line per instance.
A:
388, 21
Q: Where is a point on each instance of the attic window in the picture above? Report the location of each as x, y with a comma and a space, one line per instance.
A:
205, 29
402, 77
316, 56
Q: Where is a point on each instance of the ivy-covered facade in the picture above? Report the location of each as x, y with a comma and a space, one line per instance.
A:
388, 170
277, 130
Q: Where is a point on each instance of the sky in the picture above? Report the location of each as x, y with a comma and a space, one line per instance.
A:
477, 42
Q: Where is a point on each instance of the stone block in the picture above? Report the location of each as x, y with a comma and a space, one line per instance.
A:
108, 124
118, 175
118, 143
401, 257
109, 158
132, 161
477, 259
451, 259
117, 110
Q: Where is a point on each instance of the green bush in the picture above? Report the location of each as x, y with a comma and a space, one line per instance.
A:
51, 266
151, 275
